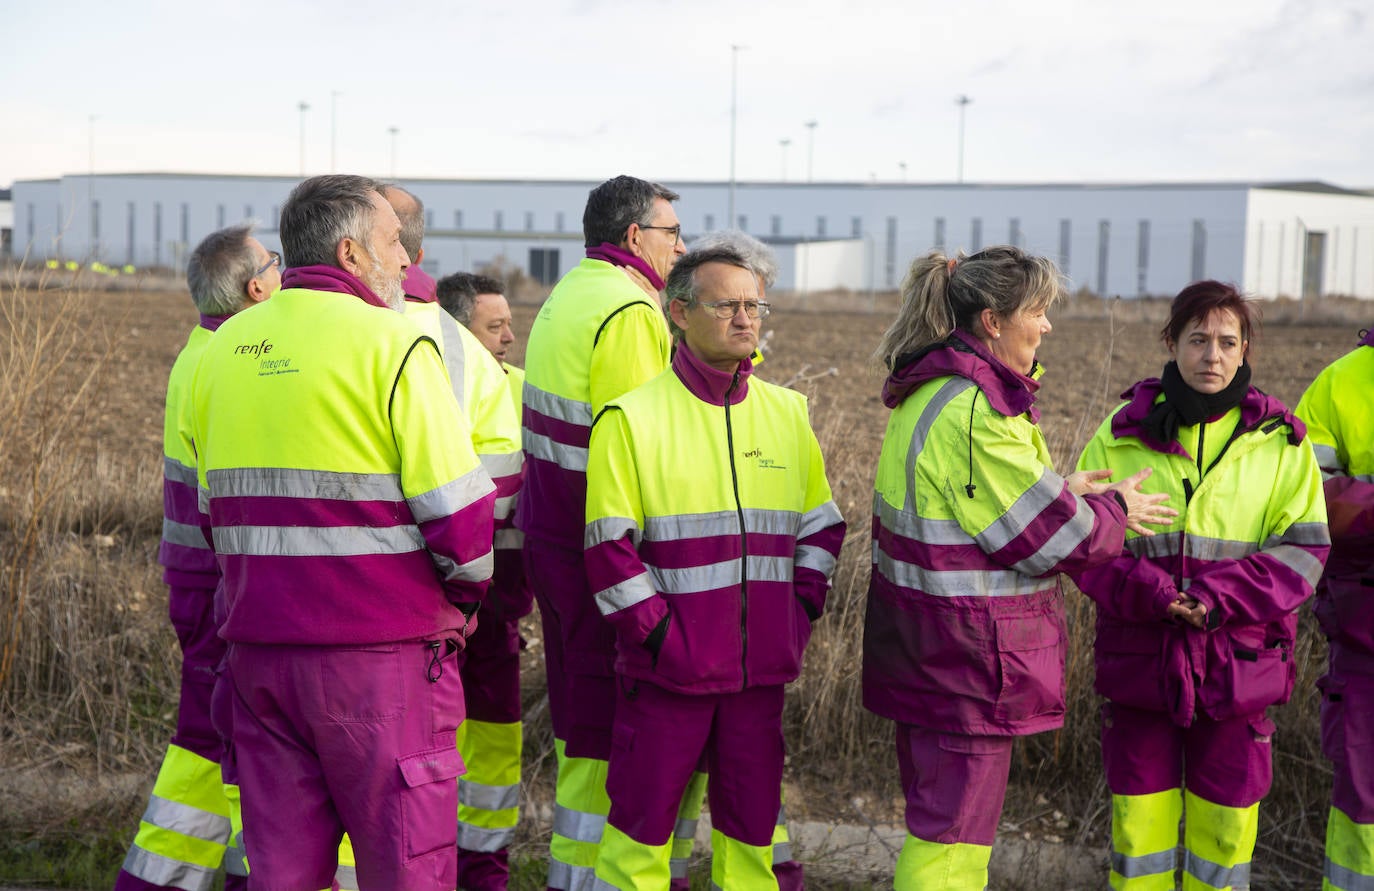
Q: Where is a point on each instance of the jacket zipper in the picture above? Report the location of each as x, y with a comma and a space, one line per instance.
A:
743, 542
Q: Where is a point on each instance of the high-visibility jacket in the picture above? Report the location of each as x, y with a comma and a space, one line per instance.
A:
1338, 409
509, 577
708, 510
346, 501
965, 626
185, 553
1249, 544
597, 336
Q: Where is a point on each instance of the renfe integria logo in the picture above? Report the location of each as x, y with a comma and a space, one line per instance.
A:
266, 366
254, 349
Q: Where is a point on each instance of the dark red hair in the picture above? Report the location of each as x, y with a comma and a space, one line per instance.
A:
1199, 300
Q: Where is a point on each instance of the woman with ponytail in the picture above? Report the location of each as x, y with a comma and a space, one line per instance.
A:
1195, 629
964, 639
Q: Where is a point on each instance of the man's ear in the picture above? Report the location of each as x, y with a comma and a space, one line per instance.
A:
419, 255
633, 240
677, 311
256, 292
345, 252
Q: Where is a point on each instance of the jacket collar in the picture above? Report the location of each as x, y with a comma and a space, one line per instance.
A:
1009, 392
330, 278
709, 384
1256, 407
1368, 339
212, 323
618, 256
419, 285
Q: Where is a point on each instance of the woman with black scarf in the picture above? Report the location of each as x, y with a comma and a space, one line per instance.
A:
1195, 627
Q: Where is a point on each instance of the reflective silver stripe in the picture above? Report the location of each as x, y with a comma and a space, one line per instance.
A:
158, 870
818, 518
503, 464
1165, 544
508, 540
537, 445
926, 531
1023, 511
286, 482
1062, 543
1214, 874
597, 883
478, 570
959, 582
182, 818
503, 506
317, 541
677, 867
203, 499
625, 594
1145, 864
452, 347
946, 394
676, 527
451, 497
782, 852
558, 407
578, 825
1345, 878
347, 877
174, 470
1302, 534
488, 798
1326, 458
235, 864
720, 575
480, 838
685, 828
610, 529
817, 558
1298, 560
183, 534
1365, 477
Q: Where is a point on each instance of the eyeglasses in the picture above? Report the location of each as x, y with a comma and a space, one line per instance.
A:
274, 259
676, 230
728, 309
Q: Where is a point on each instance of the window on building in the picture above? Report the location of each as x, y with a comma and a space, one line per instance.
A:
775, 224
157, 233
709, 224
939, 233
544, 265
30, 225
275, 221
429, 224
890, 253
743, 223
1198, 268
499, 221
558, 221
1065, 238
529, 221
457, 219
186, 224
820, 226
129, 254
856, 227
95, 227
248, 211
975, 238
1014, 232
1142, 257
219, 217
1104, 238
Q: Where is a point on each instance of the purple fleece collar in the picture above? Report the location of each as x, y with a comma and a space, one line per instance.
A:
420, 285
617, 256
710, 384
1368, 338
330, 278
1256, 407
1009, 392
212, 323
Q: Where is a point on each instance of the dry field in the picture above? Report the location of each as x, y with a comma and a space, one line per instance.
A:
88, 664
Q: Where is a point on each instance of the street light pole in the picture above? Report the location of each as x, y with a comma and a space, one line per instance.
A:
393, 131
784, 143
304, 107
810, 147
333, 131
962, 102
734, 110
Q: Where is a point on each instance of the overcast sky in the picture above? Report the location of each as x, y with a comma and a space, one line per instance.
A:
1061, 90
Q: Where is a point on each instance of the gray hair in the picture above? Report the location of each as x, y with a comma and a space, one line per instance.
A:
682, 285
615, 204
412, 220
219, 271
942, 293
321, 212
458, 293
758, 257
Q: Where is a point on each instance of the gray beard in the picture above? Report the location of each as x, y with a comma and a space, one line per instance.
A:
389, 289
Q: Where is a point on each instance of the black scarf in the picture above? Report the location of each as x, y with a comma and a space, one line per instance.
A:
1183, 406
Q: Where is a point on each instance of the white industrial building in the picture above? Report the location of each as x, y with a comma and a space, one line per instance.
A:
1273, 239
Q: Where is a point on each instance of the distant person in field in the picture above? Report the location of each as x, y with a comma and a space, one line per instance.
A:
1195, 631
1339, 411
964, 638
353, 524
491, 737
186, 832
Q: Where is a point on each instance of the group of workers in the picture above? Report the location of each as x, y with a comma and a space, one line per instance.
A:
362, 499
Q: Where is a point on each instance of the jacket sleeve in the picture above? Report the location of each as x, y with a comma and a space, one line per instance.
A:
1349, 501
616, 576
631, 349
186, 551
1127, 587
449, 494
1018, 510
820, 537
1275, 580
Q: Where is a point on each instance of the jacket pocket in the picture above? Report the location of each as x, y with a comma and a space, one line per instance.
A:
1249, 682
429, 799
1030, 655
1130, 666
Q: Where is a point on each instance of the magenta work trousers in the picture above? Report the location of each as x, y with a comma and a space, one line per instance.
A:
955, 784
359, 739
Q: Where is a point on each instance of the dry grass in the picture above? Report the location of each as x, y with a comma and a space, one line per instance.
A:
88, 669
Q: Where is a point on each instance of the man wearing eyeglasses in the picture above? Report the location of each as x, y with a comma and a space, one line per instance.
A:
600, 333
185, 831
710, 542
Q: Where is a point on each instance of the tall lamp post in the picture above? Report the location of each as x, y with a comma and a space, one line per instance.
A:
393, 131
810, 147
962, 102
784, 143
303, 106
734, 110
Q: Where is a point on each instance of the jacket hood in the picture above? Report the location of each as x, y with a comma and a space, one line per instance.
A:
1256, 407
1009, 392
